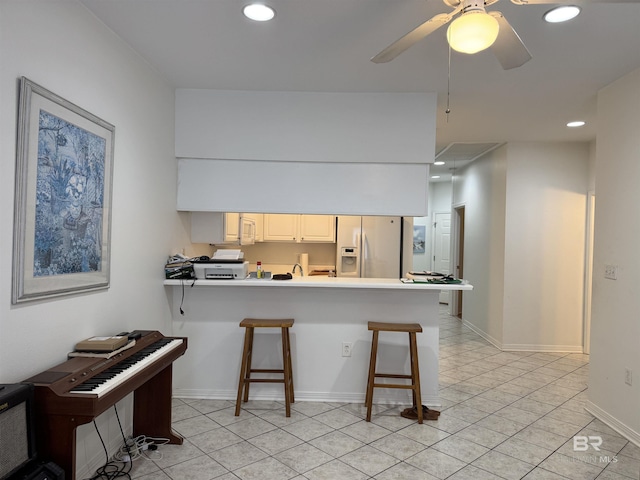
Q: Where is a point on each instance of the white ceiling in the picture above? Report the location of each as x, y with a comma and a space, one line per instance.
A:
325, 45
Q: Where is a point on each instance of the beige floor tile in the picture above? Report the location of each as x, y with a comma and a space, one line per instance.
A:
275, 441
503, 465
238, 455
336, 444
369, 460
460, 448
264, 469
436, 463
303, 458
398, 446
334, 470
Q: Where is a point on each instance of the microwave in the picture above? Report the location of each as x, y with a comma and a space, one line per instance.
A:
246, 231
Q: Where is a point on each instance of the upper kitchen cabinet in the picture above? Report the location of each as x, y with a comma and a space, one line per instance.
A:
299, 228
226, 228
258, 219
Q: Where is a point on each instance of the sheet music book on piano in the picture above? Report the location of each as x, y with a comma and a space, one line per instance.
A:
77, 353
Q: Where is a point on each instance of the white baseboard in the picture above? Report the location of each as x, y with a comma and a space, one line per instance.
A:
496, 343
380, 396
518, 347
624, 430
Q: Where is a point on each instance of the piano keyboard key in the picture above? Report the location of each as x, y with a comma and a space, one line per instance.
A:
107, 380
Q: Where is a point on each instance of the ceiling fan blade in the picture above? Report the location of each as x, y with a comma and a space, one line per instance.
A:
415, 35
572, 2
508, 48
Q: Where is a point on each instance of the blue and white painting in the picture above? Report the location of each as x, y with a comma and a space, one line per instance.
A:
69, 198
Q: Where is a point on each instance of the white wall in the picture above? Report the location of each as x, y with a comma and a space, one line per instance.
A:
61, 46
481, 189
525, 214
545, 226
615, 328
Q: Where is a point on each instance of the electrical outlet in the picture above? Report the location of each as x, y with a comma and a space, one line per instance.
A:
611, 272
346, 349
628, 376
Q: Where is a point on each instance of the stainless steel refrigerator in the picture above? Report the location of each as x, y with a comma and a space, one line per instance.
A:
369, 247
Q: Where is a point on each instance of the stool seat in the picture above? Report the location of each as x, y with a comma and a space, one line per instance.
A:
267, 323
395, 327
250, 324
412, 329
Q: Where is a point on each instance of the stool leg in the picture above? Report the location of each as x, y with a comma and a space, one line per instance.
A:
287, 373
247, 372
243, 368
372, 373
291, 396
415, 375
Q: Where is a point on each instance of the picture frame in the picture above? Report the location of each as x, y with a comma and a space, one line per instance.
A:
63, 189
419, 237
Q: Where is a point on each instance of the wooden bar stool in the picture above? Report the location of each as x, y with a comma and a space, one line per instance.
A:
411, 329
245, 367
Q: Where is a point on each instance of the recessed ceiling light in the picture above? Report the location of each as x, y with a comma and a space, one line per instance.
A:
259, 12
578, 123
435, 176
561, 13
439, 163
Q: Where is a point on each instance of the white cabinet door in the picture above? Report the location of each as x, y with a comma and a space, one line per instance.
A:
280, 227
317, 228
231, 227
258, 218
214, 227
299, 228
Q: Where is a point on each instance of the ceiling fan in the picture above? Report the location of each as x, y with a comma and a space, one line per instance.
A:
493, 30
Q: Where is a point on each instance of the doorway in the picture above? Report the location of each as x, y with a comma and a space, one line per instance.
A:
458, 257
441, 248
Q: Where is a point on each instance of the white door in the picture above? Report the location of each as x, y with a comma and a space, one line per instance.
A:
442, 248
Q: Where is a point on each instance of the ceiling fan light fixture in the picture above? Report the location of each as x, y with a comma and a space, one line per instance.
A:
473, 32
562, 13
258, 12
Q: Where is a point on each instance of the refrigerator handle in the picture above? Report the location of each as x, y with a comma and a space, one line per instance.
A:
359, 256
363, 255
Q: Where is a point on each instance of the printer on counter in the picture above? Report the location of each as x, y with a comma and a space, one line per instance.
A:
224, 265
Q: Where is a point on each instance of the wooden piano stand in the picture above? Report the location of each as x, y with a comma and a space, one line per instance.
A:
59, 413
151, 417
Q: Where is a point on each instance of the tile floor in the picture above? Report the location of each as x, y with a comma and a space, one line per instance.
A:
510, 416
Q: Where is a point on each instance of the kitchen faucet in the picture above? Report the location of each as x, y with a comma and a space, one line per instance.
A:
293, 271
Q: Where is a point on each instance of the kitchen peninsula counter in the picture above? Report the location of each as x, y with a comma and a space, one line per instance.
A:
325, 282
328, 312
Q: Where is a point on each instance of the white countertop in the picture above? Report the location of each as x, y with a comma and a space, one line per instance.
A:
323, 282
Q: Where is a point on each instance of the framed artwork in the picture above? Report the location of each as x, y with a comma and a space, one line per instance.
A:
419, 236
62, 217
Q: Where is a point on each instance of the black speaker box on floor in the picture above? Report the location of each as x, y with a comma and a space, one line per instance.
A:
39, 471
17, 437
